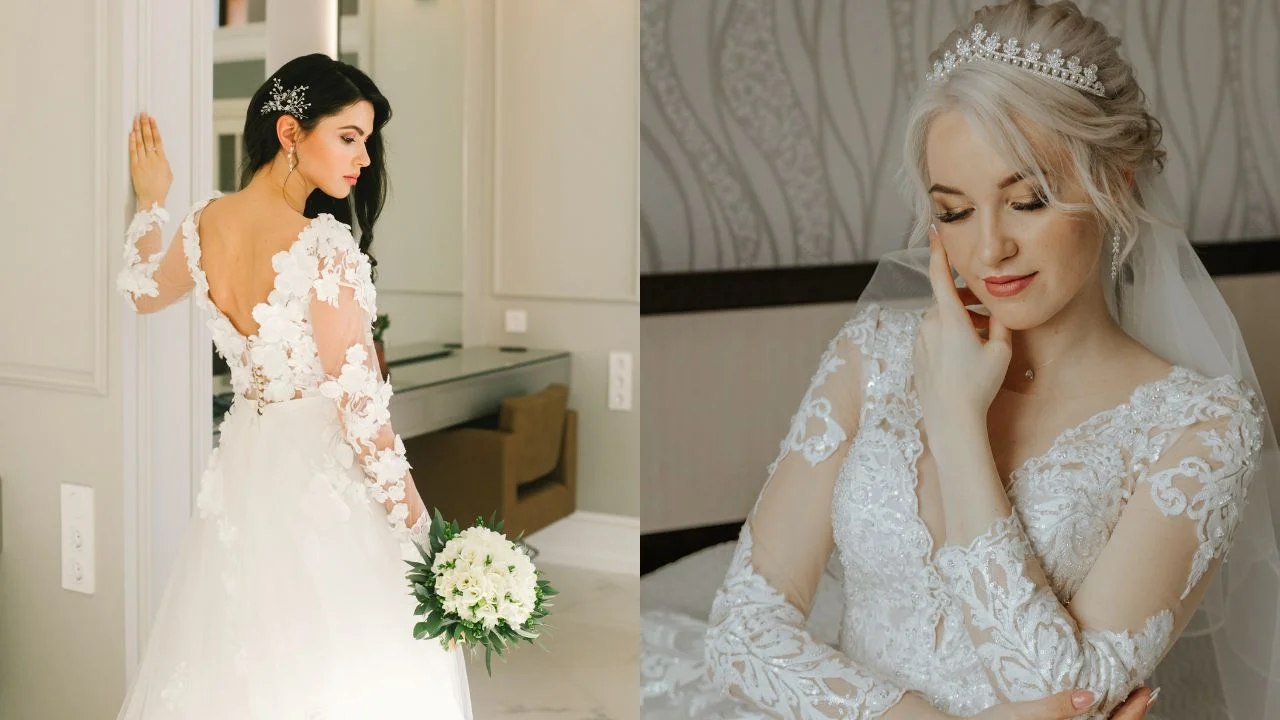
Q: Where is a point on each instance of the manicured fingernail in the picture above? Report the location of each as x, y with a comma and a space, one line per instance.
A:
1154, 694
1081, 699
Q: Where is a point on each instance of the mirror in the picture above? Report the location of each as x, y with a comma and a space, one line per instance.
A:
413, 50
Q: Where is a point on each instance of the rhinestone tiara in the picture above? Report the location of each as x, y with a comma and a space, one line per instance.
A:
981, 45
293, 102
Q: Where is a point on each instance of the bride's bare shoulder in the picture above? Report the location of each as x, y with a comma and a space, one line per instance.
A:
244, 214
216, 209
1142, 363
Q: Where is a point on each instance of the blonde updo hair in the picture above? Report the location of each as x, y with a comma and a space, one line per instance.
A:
1037, 122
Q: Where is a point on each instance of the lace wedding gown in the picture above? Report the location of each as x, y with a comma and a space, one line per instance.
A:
288, 599
1116, 531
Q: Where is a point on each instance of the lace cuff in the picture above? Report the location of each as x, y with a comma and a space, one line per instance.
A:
1029, 644
137, 277
420, 532
758, 651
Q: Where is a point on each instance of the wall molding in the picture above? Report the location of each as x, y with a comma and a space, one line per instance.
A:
165, 358
590, 541
91, 380
136, 396
500, 288
477, 160
200, 338
419, 292
676, 293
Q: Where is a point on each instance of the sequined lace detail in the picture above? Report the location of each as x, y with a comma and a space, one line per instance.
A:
903, 617
758, 647
1034, 646
818, 447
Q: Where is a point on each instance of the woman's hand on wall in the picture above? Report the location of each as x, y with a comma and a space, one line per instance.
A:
148, 165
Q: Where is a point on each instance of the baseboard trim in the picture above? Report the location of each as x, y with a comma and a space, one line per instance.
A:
591, 541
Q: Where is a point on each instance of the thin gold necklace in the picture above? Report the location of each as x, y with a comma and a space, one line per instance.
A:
1030, 374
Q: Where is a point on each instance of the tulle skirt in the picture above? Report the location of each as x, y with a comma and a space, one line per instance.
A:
288, 599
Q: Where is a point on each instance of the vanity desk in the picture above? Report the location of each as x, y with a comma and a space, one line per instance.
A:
438, 386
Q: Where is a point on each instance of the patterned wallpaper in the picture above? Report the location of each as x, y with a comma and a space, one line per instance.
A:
772, 129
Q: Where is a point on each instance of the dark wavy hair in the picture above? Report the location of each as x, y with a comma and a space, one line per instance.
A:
332, 85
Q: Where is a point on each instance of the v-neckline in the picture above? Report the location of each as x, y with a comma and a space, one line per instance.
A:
1018, 474
208, 291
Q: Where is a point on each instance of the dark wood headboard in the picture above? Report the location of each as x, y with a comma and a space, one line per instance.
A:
660, 548
707, 291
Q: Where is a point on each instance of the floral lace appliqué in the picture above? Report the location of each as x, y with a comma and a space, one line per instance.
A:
137, 277
814, 407
1034, 645
757, 645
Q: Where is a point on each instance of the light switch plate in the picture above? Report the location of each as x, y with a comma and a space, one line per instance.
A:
517, 321
78, 569
619, 380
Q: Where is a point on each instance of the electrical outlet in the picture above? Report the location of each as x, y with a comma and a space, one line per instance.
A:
517, 321
78, 569
619, 380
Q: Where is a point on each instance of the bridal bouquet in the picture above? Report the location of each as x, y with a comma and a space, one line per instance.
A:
477, 588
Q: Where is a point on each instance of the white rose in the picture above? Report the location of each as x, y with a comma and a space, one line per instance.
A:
488, 616
514, 613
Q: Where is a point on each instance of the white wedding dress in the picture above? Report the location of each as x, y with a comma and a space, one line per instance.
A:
1117, 528
288, 599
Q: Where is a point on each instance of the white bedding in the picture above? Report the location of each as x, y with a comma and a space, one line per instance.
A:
688, 586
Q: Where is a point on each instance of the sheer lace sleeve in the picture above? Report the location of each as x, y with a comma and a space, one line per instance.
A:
757, 647
1170, 539
164, 277
343, 307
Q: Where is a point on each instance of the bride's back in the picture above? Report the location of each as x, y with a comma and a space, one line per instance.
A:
239, 234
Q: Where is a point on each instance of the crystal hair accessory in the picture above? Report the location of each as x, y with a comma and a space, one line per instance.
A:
293, 102
988, 47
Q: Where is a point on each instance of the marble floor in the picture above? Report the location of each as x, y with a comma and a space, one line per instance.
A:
589, 669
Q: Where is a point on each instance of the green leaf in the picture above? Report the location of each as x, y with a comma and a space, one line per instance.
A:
433, 622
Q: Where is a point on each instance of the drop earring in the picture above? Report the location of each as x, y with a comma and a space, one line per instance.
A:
293, 164
1115, 254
